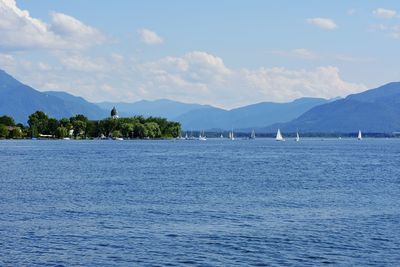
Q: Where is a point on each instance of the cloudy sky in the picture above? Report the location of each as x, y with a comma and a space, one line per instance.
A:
225, 53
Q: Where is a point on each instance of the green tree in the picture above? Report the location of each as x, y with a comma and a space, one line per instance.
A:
107, 126
7, 121
79, 128
61, 132
16, 133
153, 130
3, 131
139, 130
65, 122
52, 125
173, 129
92, 129
127, 129
116, 134
79, 123
38, 123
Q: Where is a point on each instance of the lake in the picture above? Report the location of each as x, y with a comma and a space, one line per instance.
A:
212, 203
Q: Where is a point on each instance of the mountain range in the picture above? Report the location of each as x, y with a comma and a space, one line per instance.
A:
162, 108
251, 116
375, 110
19, 101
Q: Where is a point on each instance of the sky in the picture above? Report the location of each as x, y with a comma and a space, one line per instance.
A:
223, 53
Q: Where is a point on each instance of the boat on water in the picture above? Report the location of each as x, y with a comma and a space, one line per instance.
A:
297, 137
180, 137
359, 137
66, 138
202, 136
279, 136
222, 136
253, 135
231, 135
119, 138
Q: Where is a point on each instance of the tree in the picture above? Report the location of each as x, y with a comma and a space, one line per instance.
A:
79, 128
139, 130
127, 129
153, 130
108, 125
3, 131
65, 122
7, 121
92, 129
52, 125
61, 132
16, 133
38, 123
173, 129
79, 123
116, 134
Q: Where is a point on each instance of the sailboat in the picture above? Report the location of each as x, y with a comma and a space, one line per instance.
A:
253, 135
359, 135
202, 136
191, 136
297, 137
186, 136
222, 136
180, 137
279, 136
231, 136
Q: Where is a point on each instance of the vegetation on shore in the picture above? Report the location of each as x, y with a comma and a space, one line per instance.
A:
80, 127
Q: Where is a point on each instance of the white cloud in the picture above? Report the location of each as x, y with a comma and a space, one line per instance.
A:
301, 53
72, 30
281, 84
18, 30
149, 37
193, 77
391, 31
384, 13
76, 62
323, 23
214, 83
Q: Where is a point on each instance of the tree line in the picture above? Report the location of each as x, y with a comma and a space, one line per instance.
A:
80, 127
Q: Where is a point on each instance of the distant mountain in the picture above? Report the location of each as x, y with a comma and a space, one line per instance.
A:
162, 108
78, 105
252, 116
19, 101
376, 110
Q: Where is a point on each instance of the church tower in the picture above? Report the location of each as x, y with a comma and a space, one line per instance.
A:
114, 113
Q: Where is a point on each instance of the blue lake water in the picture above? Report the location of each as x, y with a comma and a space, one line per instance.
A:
212, 203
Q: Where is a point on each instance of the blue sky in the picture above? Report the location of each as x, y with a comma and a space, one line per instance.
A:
224, 53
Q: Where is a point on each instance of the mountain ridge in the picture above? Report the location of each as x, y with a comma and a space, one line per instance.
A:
376, 110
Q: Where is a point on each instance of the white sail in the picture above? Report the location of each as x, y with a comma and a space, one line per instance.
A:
359, 135
253, 135
231, 135
279, 136
202, 136
297, 137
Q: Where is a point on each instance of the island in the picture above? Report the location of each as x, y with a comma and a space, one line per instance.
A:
40, 125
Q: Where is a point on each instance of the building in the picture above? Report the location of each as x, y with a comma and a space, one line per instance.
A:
114, 113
